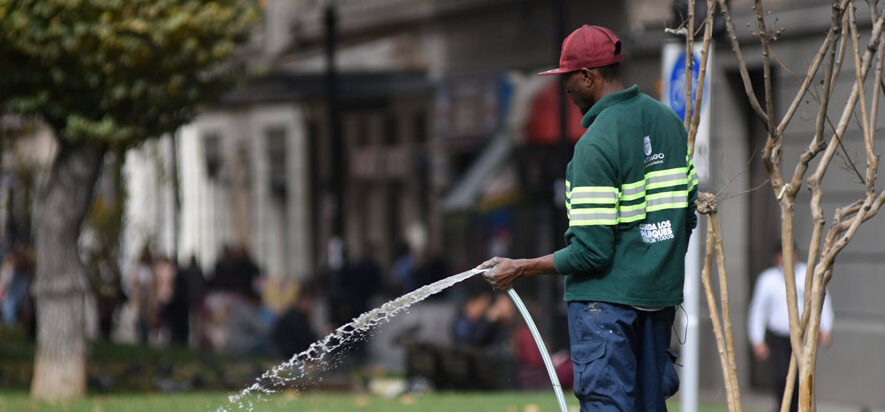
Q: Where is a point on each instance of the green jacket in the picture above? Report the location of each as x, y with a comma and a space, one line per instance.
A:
630, 192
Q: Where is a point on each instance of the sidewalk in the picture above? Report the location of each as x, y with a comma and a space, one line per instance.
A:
756, 401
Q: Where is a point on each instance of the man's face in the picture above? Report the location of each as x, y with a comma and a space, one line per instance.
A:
579, 86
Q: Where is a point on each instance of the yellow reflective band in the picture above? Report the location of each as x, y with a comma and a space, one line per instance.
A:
628, 208
632, 191
594, 189
594, 200
666, 172
667, 200
594, 222
634, 196
662, 195
593, 194
667, 183
633, 185
569, 206
633, 218
677, 205
593, 216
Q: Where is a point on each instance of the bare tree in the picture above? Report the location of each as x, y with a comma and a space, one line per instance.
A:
826, 240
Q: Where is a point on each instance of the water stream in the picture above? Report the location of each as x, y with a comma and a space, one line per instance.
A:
298, 366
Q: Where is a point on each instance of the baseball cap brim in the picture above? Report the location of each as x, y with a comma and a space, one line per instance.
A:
555, 71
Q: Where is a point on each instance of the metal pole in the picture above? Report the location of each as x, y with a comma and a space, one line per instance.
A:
547, 285
338, 165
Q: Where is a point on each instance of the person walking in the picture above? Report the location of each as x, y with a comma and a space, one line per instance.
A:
768, 323
630, 192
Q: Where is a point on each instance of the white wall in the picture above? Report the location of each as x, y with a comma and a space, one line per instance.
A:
276, 234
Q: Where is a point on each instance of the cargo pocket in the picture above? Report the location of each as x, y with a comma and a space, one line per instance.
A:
670, 378
587, 359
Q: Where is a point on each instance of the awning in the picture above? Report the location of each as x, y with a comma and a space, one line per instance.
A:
285, 86
470, 187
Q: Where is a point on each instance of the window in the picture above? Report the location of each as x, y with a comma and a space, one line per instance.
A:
275, 143
212, 153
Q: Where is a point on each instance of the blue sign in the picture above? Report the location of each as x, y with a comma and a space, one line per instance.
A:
676, 98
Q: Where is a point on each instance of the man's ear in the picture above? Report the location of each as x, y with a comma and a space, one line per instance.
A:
587, 77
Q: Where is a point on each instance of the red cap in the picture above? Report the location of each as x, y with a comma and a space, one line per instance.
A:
586, 48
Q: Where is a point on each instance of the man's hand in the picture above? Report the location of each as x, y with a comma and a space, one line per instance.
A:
761, 351
503, 272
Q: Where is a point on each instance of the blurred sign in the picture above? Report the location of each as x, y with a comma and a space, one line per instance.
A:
673, 95
382, 162
470, 109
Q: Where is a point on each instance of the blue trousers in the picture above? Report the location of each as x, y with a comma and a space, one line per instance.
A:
621, 357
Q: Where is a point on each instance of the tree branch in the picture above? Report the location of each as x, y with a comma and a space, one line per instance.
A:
817, 142
709, 209
742, 64
702, 73
812, 71
817, 177
689, 61
859, 79
735, 403
772, 152
843, 46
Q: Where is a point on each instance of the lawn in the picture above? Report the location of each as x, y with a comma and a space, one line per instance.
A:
309, 402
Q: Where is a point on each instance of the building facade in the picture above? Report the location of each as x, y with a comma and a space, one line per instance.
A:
434, 91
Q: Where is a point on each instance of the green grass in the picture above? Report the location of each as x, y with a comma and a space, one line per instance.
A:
309, 402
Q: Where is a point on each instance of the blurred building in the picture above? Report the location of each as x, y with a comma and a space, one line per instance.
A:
425, 88
450, 144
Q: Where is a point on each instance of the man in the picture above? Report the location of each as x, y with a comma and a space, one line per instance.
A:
630, 191
769, 322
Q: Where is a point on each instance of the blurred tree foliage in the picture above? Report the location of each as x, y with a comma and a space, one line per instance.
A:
103, 74
117, 71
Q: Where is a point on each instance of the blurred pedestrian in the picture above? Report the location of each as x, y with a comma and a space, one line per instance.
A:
363, 281
246, 271
247, 333
625, 254
16, 275
768, 323
177, 311
471, 326
144, 294
404, 276
293, 332
164, 289
224, 273
109, 295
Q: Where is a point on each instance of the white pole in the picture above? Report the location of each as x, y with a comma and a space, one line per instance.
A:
689, 355
673, 72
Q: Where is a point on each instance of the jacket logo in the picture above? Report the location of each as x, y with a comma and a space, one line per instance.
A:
656, 232
651, 159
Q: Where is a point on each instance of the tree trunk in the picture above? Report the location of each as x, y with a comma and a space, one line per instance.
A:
60, 285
